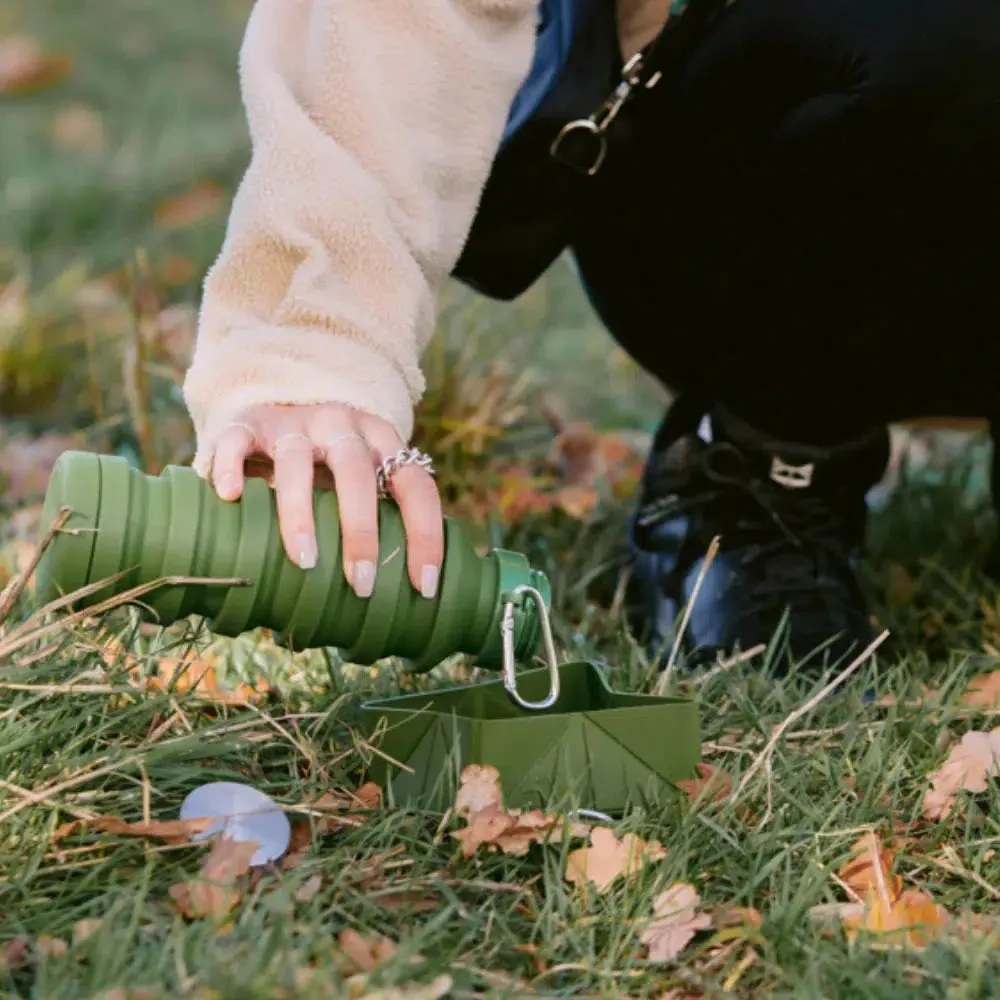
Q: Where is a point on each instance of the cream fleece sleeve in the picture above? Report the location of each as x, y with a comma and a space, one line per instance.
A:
374, 124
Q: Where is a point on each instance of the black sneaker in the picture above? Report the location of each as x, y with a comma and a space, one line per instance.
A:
791, 519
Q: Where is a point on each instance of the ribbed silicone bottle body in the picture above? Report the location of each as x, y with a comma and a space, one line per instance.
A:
174, 525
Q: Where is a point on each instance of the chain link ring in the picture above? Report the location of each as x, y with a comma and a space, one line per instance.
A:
391, 465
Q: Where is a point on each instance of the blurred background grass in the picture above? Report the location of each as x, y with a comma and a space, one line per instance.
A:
116, 171
93, 165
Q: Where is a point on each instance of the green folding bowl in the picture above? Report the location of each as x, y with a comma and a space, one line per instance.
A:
594, 749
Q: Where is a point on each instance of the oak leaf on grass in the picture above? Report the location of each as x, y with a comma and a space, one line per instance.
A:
911, 920
607, 858
479, 801
970, 766
870, 870
677, 920
983, 691
894, 916
479, 790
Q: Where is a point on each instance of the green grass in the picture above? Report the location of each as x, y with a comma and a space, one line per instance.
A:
162, 77
861, 766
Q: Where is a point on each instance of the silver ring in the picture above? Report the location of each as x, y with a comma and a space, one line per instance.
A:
245, 427
288, 437
327, 445
393, 463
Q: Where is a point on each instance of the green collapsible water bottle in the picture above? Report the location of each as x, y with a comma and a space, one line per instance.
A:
131, 529
582, 741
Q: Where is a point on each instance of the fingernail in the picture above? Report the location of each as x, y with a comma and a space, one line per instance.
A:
429, 581
363, 578
307, 551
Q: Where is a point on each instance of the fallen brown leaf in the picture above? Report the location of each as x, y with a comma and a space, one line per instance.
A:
480, 800
84, 929
869, 870
25, 66
196, 203
365, 954
910, 921
14, 953
483, 828
535, 827
298, 845
900, 918
171, 831
197, 676
50, 947
712, 784
79, 128
213, 893
369, 795
983, 691
969, 767
479, 790
607, 857
309, 889
335, 807
677, 921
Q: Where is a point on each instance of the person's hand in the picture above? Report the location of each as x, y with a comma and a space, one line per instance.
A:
302, 442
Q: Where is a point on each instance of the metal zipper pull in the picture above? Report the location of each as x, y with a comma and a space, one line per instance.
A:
587, 135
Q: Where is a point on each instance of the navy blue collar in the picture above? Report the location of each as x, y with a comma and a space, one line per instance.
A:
557, 22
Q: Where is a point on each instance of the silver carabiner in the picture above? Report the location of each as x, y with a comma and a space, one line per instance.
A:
510, 666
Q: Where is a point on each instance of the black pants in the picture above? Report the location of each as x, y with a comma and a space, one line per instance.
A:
812, 231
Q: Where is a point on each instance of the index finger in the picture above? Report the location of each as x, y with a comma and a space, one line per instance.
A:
236, 442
